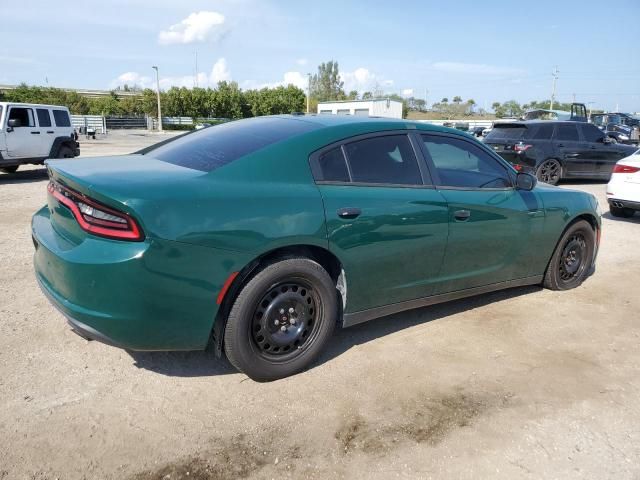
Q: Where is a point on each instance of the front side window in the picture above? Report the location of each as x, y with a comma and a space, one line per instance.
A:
44, 120
62, 118
461, 164
567, 132
24, 116
387, 160
591, 133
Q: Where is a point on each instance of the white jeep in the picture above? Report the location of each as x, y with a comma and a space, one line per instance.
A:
31, 133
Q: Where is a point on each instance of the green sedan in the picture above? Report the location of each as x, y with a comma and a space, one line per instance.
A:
256, 237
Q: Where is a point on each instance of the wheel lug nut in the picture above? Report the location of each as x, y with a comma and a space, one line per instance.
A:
281, 310
291, 310
283, 328
276, 322
293, 321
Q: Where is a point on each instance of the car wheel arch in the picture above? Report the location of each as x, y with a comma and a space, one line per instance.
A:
324, 257
589, 218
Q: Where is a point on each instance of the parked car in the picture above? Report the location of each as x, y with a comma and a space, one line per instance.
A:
477, 131
265, 233
613, 125
556, 150
31, 133
623, 190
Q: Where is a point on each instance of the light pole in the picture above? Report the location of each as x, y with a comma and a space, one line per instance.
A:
308, 90
158, 92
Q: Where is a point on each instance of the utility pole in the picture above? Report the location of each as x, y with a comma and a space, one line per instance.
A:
308, 90
426, 98
158, 92
553, 91
196, 77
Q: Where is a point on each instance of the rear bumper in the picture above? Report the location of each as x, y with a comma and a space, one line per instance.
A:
620, 203
150, 295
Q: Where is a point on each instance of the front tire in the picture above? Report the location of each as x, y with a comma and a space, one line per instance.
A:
65, 152
571, 260
12, 169
281, 319
549, 171
621, 212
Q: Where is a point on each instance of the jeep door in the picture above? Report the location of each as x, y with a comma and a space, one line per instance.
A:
23, 140
385, 221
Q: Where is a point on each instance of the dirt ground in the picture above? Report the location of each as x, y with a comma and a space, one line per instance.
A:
525, 383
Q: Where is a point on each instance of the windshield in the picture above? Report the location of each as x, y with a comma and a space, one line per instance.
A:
216, 146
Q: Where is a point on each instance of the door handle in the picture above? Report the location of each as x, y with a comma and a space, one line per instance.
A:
462, 215
561, 145
35, 133
349, 212
50, 131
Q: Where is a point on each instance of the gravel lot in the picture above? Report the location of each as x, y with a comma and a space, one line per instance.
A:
526, 383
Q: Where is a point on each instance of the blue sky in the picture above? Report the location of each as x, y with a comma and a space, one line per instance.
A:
489, 51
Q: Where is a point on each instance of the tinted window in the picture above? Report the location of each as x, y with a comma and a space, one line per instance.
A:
216, 146
23, 115
506, 133
388, 159
544, 132
568, 132
331, 167
461, 164
62, 118
44, 119
591, 133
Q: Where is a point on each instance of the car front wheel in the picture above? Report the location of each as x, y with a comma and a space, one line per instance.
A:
281, 319
549, 171
571, 260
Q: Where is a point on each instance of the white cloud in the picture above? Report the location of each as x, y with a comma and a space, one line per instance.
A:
407, 92
362, 80
476, 68
197, 27
219, 72
302, 61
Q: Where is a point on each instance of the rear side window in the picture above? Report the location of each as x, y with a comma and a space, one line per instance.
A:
331, 167
591, 133
387, 160
216, 146
567, 132
62, 118
44, 119
506, 133
461, 164
544, 132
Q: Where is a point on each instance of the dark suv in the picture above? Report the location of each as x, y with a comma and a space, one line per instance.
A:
619, 127
556, 150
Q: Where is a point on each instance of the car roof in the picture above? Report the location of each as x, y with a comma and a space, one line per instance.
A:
40, 105
538, 122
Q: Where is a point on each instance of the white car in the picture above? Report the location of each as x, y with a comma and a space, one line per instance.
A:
31, 133
623, 190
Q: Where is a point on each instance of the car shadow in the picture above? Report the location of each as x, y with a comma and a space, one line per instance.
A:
24, 176
205, 363
634, 219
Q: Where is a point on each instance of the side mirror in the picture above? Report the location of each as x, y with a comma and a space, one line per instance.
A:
13, 123
525, 181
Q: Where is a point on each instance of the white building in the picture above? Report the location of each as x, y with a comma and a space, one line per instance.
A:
382, 107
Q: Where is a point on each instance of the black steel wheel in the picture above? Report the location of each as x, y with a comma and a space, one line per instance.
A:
572, 258
281, 319
549, 171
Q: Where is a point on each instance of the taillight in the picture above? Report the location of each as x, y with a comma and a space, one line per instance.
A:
625, 169
521, 147
517, 167
95, 218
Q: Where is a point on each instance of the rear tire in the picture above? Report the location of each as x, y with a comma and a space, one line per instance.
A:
549, 171
571, 260
65, 152
281, 319
621, 212
12, 169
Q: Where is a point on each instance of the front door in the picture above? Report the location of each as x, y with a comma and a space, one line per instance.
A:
23, 140
573, 152
491, 224
385, 221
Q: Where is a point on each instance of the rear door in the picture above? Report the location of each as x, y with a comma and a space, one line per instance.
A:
604, 155
47, 132
491, 224
573, 152
385, 221
23, 141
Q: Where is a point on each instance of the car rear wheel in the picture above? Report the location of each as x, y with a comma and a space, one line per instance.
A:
549, 171
12, 169
572, 258
65, 152
621, 212
281, 319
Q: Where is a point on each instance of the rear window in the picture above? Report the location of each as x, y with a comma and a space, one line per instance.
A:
62, 118
216, 146
507, 133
